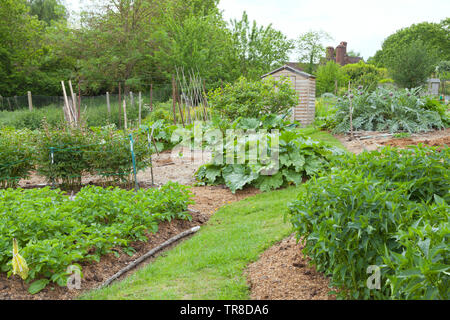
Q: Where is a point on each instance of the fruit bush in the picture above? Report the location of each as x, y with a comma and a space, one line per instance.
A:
16, 156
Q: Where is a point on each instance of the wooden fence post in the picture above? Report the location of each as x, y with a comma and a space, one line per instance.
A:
108, 106
140, 107
151, 97
125, 114
79, 102
173, 100
30, 101
132, 99
120, 101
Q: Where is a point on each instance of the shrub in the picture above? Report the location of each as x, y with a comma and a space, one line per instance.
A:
377, 209
16, 156
385, 110
68, 162
108, 153
364, 74
246, 98
327, 75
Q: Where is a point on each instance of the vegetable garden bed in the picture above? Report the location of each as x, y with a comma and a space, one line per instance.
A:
207, 200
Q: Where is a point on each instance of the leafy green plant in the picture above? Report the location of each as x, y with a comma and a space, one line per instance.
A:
377, 209
385, 110
16, 156
253, 99
54, 232
108, 153
60, 155
298, 157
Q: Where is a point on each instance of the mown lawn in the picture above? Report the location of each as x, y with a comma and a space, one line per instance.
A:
210, 265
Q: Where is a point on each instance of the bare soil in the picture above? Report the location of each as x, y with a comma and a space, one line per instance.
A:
207, 200
283, 273
379, 139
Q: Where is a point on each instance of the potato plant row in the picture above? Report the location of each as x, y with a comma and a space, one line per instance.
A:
54, 232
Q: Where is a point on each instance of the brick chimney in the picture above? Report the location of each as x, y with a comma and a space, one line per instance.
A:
330, 53
340, 53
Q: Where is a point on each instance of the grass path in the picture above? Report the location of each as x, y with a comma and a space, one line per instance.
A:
210, 265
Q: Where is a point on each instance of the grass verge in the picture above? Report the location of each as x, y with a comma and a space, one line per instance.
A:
323, 136
210, 265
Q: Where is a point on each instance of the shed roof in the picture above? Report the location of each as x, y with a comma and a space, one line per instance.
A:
292, 69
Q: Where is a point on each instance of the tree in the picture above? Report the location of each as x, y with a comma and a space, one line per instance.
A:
258, 49
47, 10
310, 48
435, 36
329, 78
20, 43
411, 65
202, 44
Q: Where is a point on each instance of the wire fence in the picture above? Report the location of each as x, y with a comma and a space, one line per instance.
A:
159, 93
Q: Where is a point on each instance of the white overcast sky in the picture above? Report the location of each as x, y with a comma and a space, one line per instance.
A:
363, 24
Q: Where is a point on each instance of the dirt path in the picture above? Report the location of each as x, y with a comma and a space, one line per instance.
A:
207, 200
379, 139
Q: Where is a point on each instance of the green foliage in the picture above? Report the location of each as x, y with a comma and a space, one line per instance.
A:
102, 151
108, 153
236, 165
433, 104
411, 65
162, 134
385, 110
324, 117
255, 49
326, 77
432, 35
25, 119
246, 98
310, 48
68, 162
47, 10
386, 208
16, 156
364, 74
54, 232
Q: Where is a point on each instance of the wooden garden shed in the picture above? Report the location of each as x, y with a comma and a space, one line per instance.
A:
305, 86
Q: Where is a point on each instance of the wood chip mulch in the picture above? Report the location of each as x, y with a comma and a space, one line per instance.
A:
282, 273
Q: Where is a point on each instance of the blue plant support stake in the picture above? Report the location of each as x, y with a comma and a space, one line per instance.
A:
134, 162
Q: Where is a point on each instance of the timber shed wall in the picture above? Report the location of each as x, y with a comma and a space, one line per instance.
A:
305, 86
